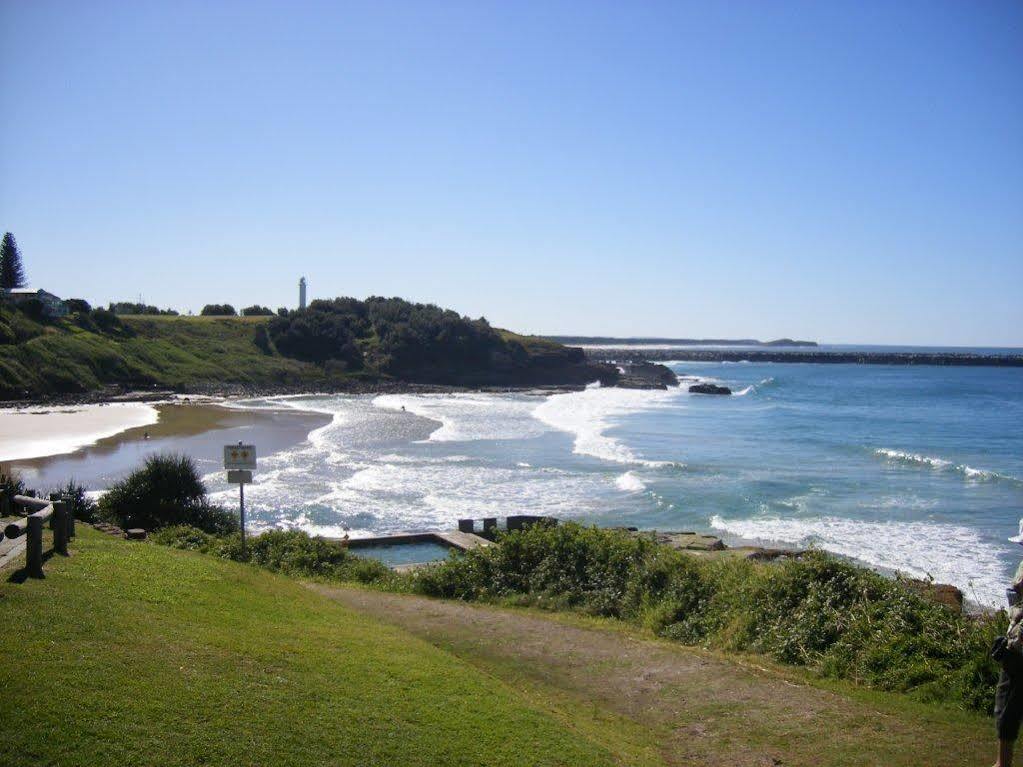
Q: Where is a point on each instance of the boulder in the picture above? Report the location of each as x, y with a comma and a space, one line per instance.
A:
690, 541
942, 593
706, 388
646, 375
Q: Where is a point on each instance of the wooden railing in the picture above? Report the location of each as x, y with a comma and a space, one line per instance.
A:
38, 511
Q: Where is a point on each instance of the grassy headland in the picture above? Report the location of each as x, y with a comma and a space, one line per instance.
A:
333, 344
134, 654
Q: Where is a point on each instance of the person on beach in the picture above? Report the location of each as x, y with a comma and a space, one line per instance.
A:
1008, 651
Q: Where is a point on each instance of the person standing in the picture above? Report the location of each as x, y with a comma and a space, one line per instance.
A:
1008, 651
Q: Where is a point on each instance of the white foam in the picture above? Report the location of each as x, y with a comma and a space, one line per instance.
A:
943, 464
40, 432
328, 482
753, 387
467, 417
588, 414
949, 553
629, 483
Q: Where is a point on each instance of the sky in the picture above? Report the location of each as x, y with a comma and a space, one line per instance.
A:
848, 172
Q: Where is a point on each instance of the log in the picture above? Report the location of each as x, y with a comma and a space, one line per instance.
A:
35, 504
16, 529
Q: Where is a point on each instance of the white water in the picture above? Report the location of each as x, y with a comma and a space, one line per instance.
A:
948, 553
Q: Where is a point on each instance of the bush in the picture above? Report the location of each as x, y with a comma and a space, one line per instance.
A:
256, 311
34, 309
127, 307
838, 619
78, 305
218, 310
82, 506
11, 483
292, 552
167, 490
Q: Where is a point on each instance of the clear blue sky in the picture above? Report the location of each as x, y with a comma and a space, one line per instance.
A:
844, 171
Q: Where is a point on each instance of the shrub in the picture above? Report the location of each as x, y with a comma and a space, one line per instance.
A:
167, 490
218, 310
292, 552
838, 619
82, 506
11, 483
34, 309
184, 537
78, 305
256, 311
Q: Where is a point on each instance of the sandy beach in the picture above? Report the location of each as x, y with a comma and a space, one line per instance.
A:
37, 432
97, 444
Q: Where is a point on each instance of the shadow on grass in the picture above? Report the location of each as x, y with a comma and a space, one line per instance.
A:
21, 574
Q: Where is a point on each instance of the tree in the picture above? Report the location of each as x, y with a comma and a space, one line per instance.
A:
12, 273
218, 310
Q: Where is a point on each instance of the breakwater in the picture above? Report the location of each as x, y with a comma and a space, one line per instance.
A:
967, 359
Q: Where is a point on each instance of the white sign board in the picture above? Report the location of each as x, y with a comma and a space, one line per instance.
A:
240, 457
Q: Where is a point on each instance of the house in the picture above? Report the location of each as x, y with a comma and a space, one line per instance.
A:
53, 306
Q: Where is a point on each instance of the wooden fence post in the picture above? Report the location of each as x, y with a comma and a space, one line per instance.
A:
70, 519
34, 547
60, 509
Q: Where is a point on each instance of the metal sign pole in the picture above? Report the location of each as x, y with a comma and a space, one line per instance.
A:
241, 500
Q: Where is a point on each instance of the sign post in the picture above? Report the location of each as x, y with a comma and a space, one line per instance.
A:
240, 462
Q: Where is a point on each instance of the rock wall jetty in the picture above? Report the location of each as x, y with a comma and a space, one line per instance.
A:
632, 356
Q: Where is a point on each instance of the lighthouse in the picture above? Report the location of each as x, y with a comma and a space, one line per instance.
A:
301, 293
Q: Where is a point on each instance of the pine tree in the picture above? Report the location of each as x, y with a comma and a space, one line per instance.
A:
12, 273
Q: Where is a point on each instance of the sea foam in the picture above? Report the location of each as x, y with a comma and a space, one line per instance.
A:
590, 413
949, 553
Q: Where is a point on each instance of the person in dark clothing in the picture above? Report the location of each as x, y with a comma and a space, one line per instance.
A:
1008, 651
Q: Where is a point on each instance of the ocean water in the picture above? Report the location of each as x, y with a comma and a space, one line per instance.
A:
910, 469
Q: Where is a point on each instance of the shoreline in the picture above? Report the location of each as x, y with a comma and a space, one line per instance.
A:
215, 393
199, 429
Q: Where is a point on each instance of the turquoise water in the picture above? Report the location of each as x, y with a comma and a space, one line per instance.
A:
916, 469
404, 554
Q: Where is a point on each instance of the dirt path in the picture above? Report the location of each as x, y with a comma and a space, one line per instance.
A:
696, 708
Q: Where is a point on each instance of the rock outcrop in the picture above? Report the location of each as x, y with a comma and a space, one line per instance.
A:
646, 375
706, 388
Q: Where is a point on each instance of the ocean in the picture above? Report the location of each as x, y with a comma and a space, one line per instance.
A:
906, 468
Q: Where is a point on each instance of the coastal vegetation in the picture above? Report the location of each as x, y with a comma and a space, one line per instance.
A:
166, 490
836, 619
332, 344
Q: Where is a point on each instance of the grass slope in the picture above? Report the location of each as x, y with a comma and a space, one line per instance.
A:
174, 352
138, 654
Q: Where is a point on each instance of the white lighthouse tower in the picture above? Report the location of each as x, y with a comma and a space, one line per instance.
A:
301, 293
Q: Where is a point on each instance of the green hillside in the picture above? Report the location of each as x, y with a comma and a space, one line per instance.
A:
321, 347
132, 654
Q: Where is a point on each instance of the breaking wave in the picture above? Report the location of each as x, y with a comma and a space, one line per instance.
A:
590, 413
942, 464
949, 553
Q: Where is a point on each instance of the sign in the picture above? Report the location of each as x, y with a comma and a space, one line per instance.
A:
240, 457
239, 477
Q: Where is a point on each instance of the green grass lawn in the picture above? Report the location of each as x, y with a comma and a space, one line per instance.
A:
136, 654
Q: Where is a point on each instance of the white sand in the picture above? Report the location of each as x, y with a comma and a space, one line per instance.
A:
40, 432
